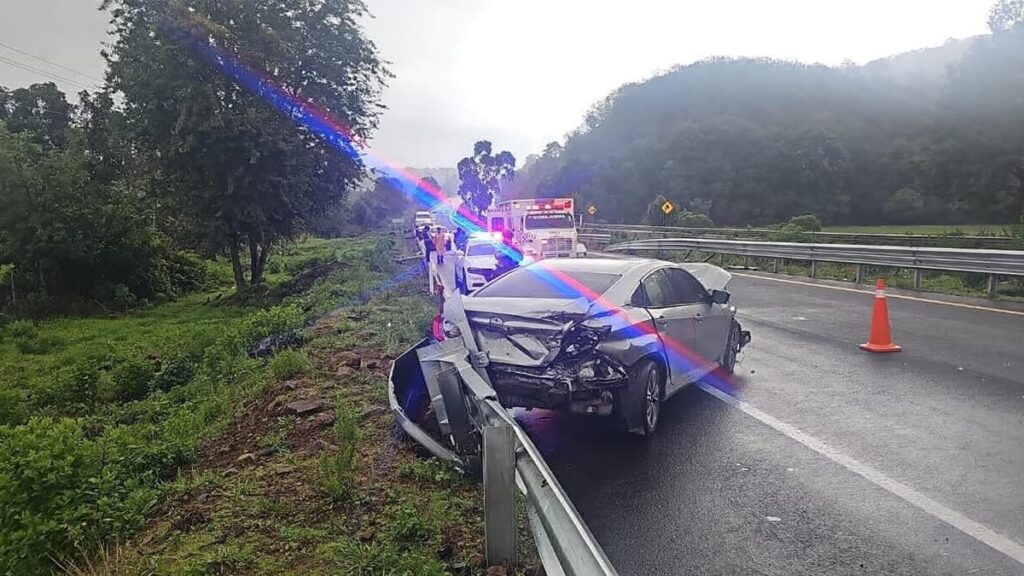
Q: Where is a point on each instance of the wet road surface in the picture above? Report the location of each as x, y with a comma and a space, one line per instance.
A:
836, 462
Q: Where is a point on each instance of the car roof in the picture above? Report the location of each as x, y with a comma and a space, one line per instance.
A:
599, 265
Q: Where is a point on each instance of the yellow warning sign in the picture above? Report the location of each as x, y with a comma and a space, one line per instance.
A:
667, 207
592, 210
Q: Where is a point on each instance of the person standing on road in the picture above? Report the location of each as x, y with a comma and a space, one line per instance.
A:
428, 245
439, 244
460, 238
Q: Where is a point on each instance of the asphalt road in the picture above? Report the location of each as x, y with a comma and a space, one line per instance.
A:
836, 461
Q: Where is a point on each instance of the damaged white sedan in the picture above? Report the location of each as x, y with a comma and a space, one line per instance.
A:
600, 336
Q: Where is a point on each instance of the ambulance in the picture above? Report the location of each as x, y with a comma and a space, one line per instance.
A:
544, 227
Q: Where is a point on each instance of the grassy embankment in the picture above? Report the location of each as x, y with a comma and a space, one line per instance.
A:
153, 443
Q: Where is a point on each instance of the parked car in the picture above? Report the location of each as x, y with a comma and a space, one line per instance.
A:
477, 264
601, 336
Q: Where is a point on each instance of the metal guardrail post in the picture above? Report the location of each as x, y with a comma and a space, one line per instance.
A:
499, 495
918, 273
993, 285
775, 265
860, 274
814, 268
455, 407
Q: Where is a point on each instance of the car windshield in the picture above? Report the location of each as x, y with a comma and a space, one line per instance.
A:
543, 221
542, 282
482, 249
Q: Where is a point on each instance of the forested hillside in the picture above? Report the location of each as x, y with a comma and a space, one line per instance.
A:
756, 141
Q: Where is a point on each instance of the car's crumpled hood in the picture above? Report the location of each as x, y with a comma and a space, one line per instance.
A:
522, 331
711, 276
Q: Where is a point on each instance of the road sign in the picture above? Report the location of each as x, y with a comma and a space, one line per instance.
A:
592, 210
667, 207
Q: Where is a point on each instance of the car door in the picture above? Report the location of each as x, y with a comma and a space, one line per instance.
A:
676, 327
711, 321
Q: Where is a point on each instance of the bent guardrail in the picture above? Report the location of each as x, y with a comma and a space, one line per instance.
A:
449, 379
995, 263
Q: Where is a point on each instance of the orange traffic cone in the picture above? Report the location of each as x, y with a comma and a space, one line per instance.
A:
880, 339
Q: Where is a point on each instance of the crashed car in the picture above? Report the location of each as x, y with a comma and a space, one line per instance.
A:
600, 336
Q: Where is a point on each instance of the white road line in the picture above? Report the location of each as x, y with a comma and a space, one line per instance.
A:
976, 530
888, 294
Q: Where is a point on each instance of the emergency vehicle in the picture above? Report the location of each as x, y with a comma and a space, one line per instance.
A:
544, 227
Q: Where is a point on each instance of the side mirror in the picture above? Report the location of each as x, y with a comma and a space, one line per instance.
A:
719, 297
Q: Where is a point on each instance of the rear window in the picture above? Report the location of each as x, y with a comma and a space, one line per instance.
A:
541, 282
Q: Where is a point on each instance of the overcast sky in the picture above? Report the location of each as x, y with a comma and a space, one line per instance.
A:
522, 73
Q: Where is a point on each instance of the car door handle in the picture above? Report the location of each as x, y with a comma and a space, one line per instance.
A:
698, 318
661, 321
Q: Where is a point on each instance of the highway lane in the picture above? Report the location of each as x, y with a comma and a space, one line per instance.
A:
718, 491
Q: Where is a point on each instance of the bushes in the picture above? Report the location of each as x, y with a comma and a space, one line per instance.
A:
28, 340
175, 371
132, 379
12, 408
74, 391
688, 219
62, 493
288, 364
806, 222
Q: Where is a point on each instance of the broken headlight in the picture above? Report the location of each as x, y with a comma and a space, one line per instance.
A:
581, 339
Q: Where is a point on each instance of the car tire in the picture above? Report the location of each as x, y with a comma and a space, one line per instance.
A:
647, 385
731, 345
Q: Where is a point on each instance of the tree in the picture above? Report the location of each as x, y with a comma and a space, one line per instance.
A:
235, 162
68, 236
482, 174
1005, 14
40, 110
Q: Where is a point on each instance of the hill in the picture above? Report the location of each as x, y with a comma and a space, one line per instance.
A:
932, 136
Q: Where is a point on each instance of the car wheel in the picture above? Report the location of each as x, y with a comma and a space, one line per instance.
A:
731, 346
647, 383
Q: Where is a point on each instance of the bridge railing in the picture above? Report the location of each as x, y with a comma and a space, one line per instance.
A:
995, 263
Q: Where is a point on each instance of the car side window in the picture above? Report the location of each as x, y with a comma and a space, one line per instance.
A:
685, 288
639, 298
658, 290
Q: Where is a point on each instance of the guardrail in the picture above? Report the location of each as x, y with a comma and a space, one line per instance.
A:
995, 263
972, 242
486, 438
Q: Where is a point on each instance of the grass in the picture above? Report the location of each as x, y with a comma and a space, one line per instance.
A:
927, 229
200, 471
100, 413
365, 505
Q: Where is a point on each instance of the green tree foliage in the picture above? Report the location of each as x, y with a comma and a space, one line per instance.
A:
41, 110
756, 142
806, 222
482, 174
242, 175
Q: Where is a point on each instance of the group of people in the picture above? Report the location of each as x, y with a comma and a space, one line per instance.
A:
436, 242
431, 240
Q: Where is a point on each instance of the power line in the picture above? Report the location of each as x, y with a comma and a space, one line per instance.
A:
41, 59
49, 75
